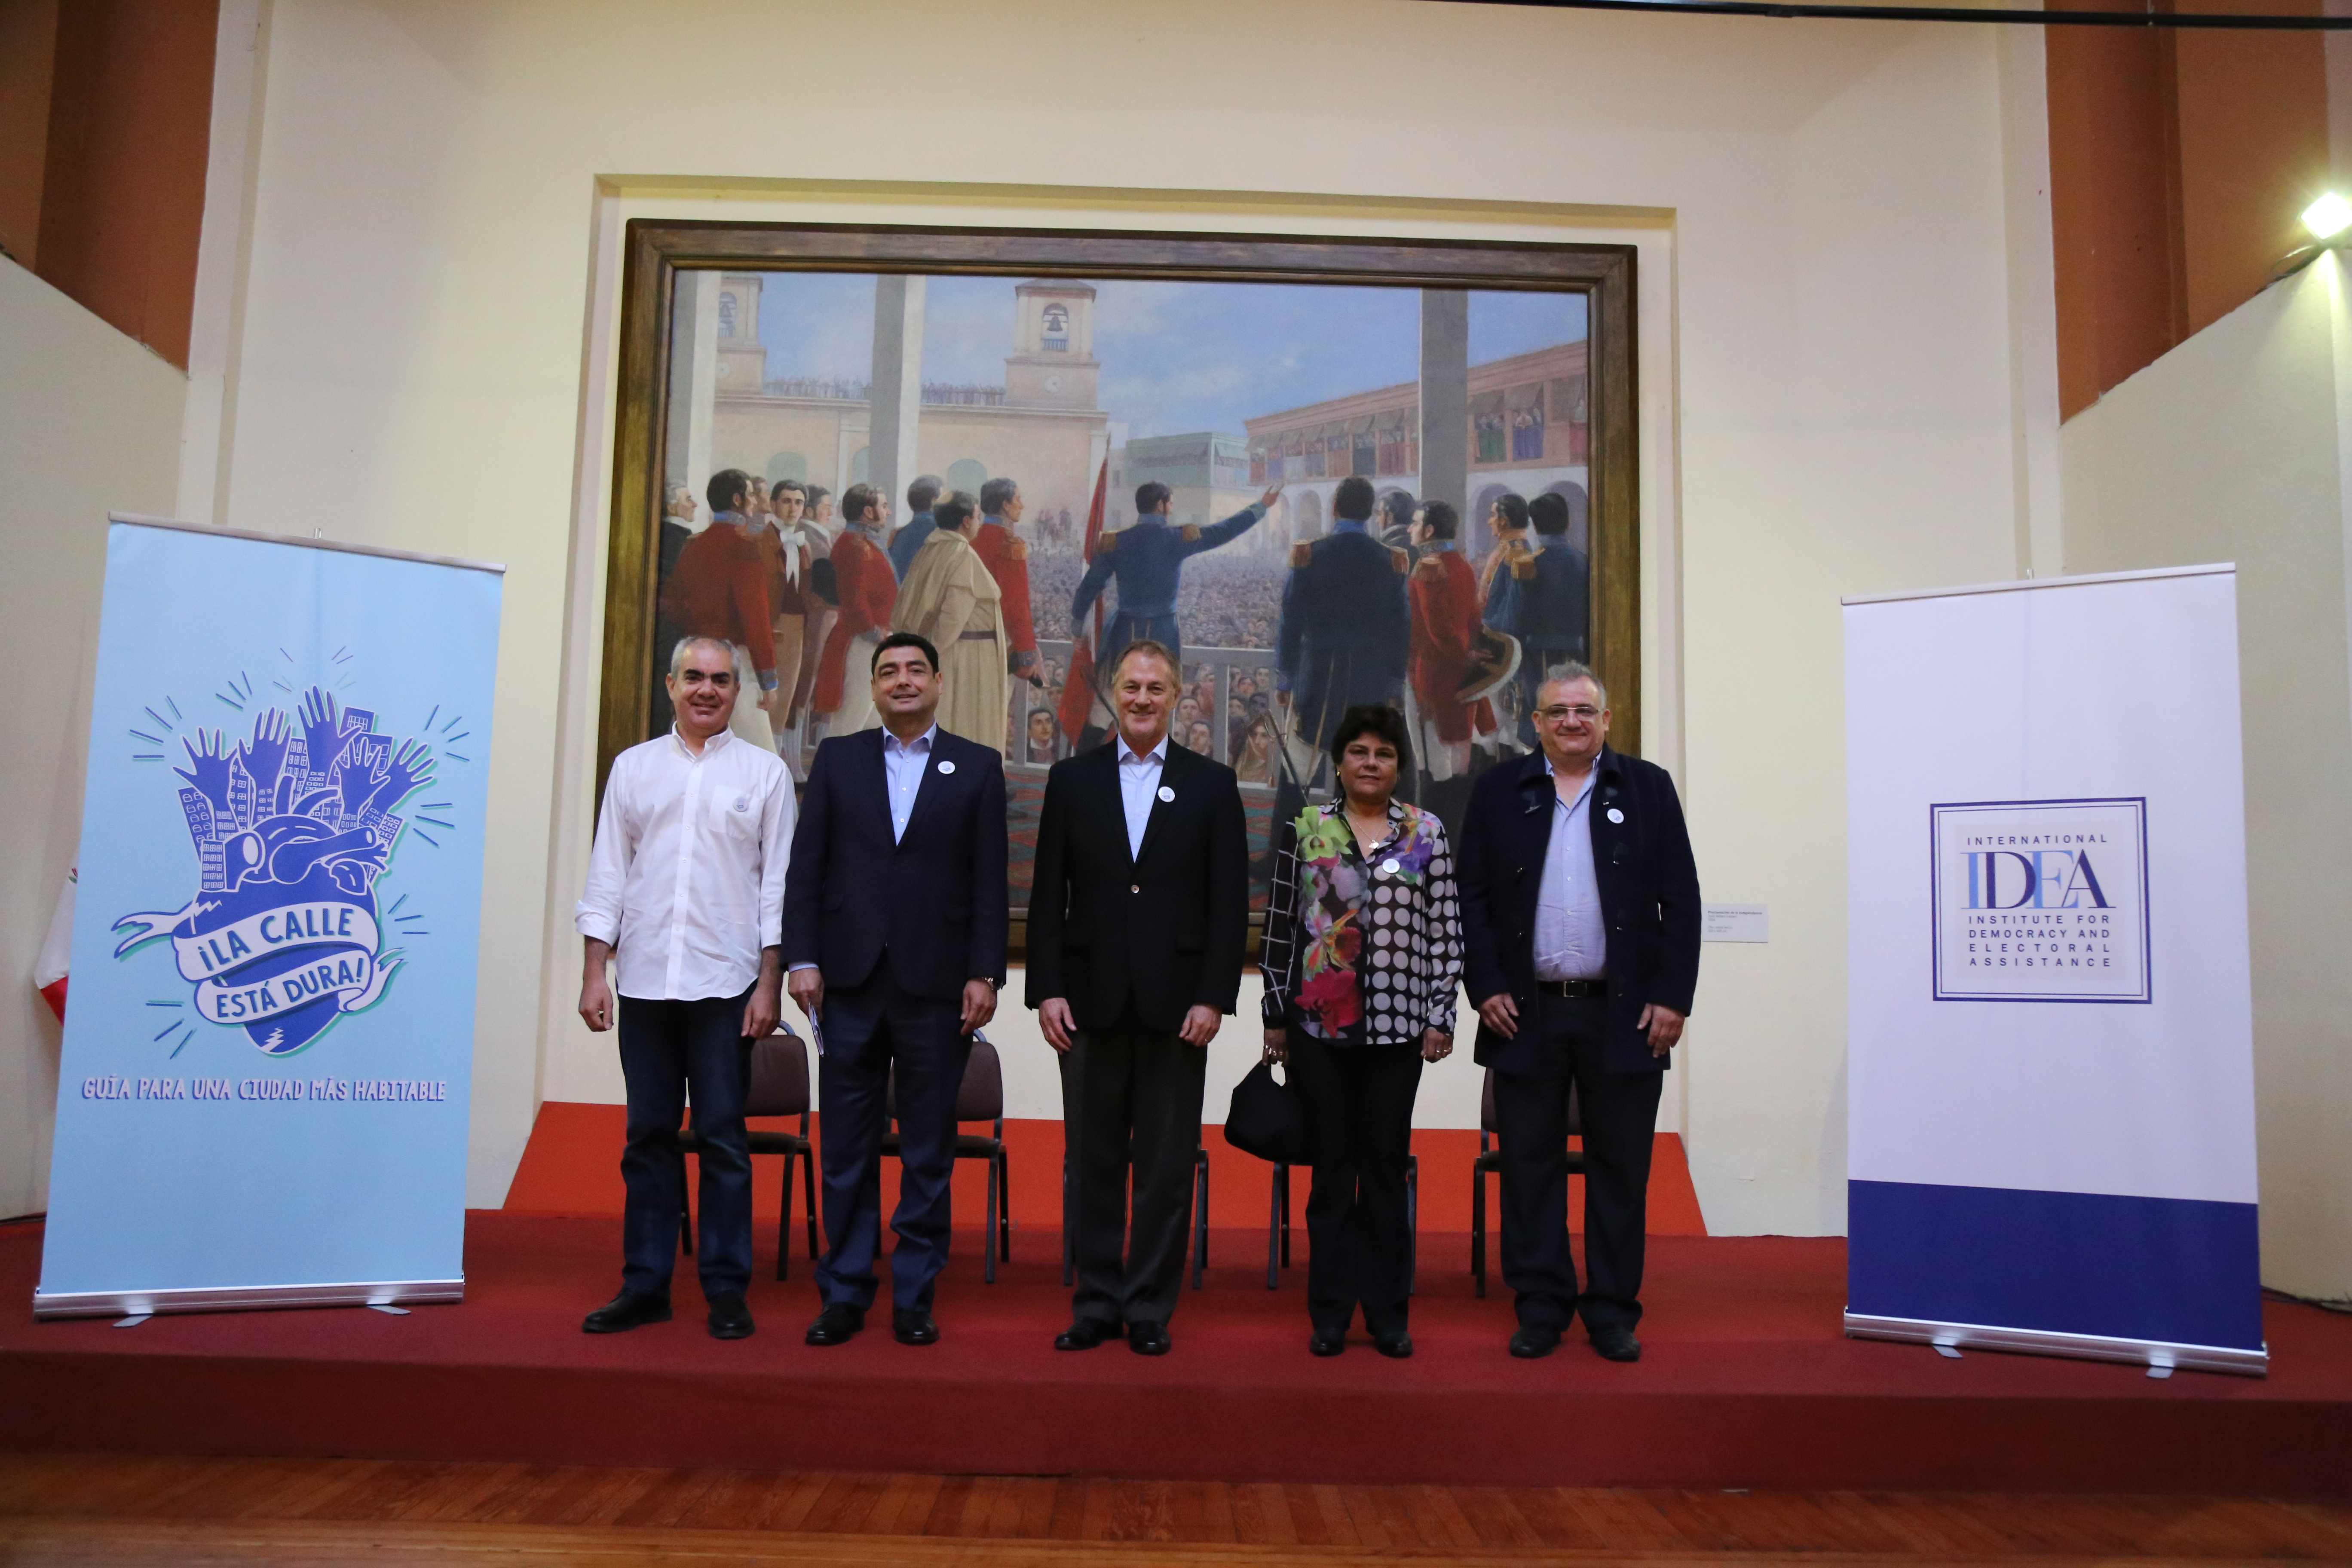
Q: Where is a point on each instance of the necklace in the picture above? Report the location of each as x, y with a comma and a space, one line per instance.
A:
1366, 842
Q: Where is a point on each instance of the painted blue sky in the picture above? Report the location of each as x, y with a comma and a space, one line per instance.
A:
1176, 357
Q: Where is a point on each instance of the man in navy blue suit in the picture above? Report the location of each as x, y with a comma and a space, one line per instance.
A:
894, 926
1579, 934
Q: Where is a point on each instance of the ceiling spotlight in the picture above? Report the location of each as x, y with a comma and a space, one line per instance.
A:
2328, 216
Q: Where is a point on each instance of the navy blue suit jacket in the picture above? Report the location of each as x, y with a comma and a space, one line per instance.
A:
936, 899
1649, 900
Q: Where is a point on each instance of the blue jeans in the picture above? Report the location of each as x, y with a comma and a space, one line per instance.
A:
669, 1048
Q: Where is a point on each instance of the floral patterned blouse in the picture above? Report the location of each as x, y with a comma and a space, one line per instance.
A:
1362, 949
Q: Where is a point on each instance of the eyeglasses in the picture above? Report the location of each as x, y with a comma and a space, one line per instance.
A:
1584, 714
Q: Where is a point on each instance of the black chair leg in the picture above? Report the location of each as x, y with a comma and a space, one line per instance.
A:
1199, 1218
988, 1229
784, 1220
1273, 1229
685, 1232
1286, 1217
1478, 1229
808, 1188
1412, 1224
1004, 1204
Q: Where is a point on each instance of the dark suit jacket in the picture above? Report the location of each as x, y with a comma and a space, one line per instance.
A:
1649, 899
1346, 631
1152, 935
935, 898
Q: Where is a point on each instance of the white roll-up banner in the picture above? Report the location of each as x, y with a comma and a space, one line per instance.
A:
2051, 1100
269, 1038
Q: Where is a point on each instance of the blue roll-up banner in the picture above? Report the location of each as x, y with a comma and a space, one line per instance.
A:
269, 1031
2050, 1097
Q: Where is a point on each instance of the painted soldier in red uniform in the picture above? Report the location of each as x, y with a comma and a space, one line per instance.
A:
719, 589
867, 589
1006, 555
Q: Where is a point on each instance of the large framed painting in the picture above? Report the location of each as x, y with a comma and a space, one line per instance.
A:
1151, 433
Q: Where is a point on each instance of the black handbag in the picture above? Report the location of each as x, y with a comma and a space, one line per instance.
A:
1269, 1119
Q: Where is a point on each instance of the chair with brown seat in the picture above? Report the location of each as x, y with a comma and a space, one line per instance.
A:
1490, 1158
779, 1087
979, 1098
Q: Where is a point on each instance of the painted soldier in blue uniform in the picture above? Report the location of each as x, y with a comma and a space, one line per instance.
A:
1148, 562
1346, 632
1545, 601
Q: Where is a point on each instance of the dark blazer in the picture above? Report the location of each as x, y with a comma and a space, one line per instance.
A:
1346, 632
1649, 899
1157, 933
935, 898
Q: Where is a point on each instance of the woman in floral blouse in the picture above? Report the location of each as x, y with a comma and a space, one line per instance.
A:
1363, 951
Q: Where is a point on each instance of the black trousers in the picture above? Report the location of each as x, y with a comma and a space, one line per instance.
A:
868, 1027
1619, 1113
1359, 1105
668, 1049
1131, 1097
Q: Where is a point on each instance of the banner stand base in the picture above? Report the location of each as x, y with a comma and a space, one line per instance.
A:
243, 1298
1949, 1338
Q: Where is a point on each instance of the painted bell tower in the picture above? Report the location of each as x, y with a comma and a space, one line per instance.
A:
1055, 365
742, 358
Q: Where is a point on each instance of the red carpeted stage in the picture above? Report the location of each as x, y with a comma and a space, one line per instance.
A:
1746, 1381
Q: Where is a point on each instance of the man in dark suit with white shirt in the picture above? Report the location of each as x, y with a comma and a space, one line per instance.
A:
1581, 937
1139, 912
894, 926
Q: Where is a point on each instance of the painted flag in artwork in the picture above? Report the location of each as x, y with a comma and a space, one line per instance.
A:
1079, 685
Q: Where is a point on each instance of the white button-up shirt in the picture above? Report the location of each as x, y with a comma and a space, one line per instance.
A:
687, 878
902, 766
1572, 940
1139, 782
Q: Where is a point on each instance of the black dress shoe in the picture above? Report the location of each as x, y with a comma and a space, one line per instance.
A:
730, 1319
1396, 1346
1321, 1343
1535, 1342
1148, 1339
627, 1310
1616, 1344
836, 1325
914, 1327
1084, 1334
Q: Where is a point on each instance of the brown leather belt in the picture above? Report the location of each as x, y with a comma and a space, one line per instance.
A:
1579, 988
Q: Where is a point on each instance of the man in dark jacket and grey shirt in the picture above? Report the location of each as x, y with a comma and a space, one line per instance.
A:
1580, 926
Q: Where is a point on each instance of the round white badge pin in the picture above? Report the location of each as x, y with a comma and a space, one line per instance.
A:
1166, 793
1615, 814
947, 767
1390, 867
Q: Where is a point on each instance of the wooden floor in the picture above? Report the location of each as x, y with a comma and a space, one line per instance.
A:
83, 1510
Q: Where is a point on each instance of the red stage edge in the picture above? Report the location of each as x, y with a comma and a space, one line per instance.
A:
1747, 1381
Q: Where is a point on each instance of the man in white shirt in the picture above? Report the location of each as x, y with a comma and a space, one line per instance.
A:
681, 917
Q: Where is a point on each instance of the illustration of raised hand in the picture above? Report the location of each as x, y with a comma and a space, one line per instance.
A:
208, 769
410, 770
358, 783
264, 754
321, 718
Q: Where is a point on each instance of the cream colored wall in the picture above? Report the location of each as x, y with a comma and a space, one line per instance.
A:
2236, 446
90, 423
1824, 334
